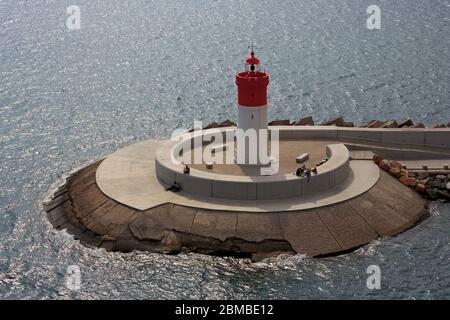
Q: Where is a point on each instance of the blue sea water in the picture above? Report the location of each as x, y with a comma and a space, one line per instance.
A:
140, 69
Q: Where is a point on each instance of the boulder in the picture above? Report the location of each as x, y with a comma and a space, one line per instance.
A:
227, 123
405, 172
408, 181
435, 183
376, 158
338, 122
395, 172
305, 121
406, 123
280, 122
390, 124
432, 193
395, 164
447, 185
383, 164
375, 124
422, 175
212, 125
441, 177
438, 125
443, 194
420, 187
419, 125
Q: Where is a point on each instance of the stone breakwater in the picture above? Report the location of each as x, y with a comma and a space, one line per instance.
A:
338, 122
433, 186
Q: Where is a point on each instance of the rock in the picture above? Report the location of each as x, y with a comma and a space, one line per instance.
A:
420, 187
395, 172
423, 181
419, 125
441, 177
390, 124
305, 121
447, 185
376, 158
338, 122
227, 123
406, 123
408, 181
383, 164
434, 183
280, 123
375, 124
438, 125
212, 125
395, 164
432, 193
443, 194
422, 175
405, 172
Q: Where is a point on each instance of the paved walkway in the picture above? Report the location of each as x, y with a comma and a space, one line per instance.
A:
128, 176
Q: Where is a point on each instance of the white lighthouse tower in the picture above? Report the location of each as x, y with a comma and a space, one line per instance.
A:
252, 107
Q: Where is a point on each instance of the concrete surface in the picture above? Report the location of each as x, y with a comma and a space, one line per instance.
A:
128, 177
241, 183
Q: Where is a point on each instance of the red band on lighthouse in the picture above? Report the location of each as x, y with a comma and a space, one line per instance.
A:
252, 84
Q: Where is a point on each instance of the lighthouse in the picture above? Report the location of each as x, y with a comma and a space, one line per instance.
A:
252, 110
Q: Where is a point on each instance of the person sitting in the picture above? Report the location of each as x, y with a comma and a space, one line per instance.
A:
175, 187
308, 174
300, 171
186, 169
314, 170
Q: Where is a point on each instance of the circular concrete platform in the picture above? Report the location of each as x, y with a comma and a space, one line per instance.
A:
128, 176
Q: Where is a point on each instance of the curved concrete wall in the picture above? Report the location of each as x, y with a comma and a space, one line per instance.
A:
203, 183
437, 138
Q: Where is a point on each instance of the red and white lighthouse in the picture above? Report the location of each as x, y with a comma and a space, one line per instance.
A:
252, 101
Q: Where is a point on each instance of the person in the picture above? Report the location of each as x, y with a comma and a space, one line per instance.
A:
175, 187
186, 169
299, 172
308, 174
314, 170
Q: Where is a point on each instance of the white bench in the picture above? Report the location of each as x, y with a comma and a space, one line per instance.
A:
302, 158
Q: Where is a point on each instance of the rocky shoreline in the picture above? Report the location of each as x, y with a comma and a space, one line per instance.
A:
338, 122
432, 186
